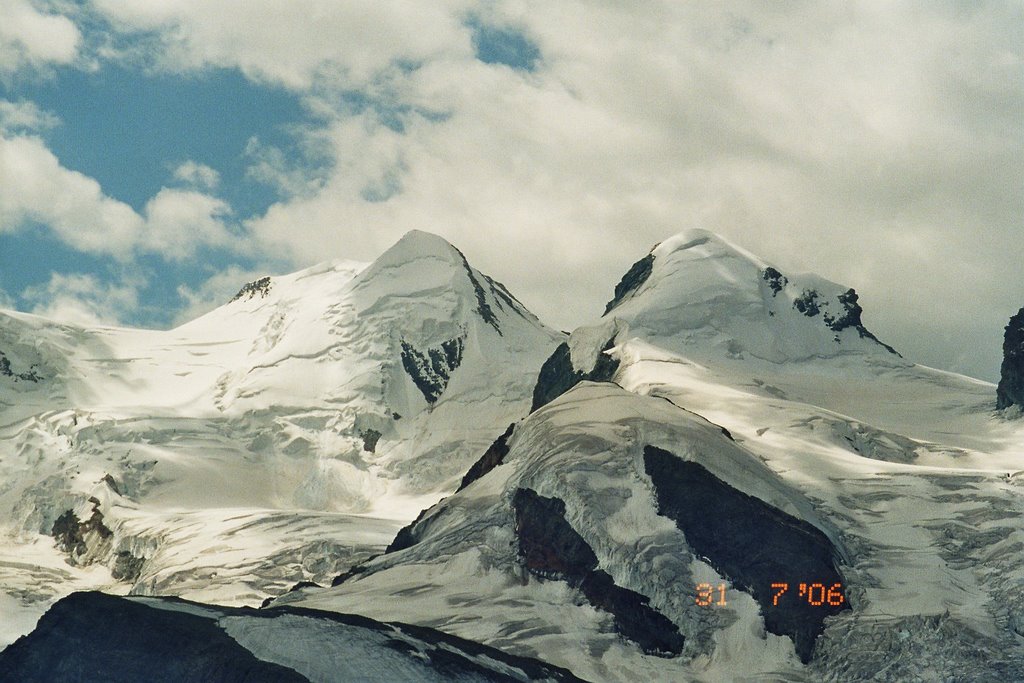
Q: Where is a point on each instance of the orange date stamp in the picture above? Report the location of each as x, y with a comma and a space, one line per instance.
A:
816, 594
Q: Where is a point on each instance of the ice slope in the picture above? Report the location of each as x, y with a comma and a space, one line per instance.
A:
281, 437
911, 471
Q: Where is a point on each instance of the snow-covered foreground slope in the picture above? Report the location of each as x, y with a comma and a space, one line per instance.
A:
894, 493
281, 437
97, 637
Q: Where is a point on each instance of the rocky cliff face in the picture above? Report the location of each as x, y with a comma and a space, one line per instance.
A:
1011, 377
761, 549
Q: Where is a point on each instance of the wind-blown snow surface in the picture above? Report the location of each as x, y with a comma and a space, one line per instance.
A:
910, 472
282, 437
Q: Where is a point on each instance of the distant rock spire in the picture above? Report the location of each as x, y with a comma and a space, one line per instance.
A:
1011, 377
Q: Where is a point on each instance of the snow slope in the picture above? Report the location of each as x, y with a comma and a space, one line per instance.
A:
909, 472
281, 437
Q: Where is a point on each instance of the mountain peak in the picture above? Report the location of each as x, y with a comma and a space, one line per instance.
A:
700, 243
697, 289
419, 244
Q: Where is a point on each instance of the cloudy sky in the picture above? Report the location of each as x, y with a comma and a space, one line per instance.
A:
155, 155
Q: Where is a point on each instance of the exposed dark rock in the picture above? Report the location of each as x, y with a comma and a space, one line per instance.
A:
807, 303
634, 278
753, 544
492, 457
370, 438
109, 481
430, 371
851, 318
304, 584
501, 293
851, 313
30, 375
1011, 374
776, 280
605, 366
127, 567
409, 535
73, 535
551, 549
482, 307
251, 290
98, 637
350, 572
558, 375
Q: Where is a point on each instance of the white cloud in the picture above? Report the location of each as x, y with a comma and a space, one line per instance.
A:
293, 43
35, 187
177, 221
24, 116
289, 176
83, 300
30, 38
198, 175
879, 145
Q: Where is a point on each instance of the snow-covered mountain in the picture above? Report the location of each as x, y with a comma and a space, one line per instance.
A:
719, 485
279, 438
726, 476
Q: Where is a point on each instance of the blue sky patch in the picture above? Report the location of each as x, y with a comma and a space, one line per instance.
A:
504, 45
129, 130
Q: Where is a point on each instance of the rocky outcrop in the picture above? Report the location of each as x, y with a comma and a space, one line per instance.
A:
127, 566
409, 535
430, 370
251, 290
810, 304
1011, 374
93, 636
370, 438
850, 317
551, 549
807, 303
634, 278
30, 375
492, 457
754, 545
558, 375
776, 280
82, 540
